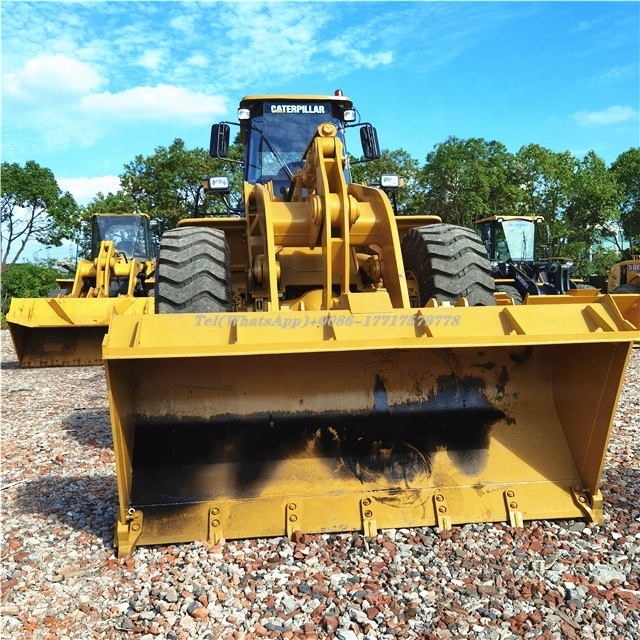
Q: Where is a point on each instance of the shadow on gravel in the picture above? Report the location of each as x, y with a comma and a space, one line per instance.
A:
91, 427
84, 503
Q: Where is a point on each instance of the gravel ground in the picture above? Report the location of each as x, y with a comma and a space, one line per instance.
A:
60, 579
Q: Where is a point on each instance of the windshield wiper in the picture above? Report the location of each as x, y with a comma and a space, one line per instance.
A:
279, 158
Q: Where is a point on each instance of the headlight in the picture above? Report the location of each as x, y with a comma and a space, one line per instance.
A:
349, 115
244, 114
218, 183
390, 182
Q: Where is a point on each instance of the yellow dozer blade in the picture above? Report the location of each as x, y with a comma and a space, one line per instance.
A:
63, 332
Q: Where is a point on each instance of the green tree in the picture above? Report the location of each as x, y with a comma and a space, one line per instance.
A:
118, 202
167, 184
597, 263
543, 177
28, 280
464, 180
626, 169
398, 163
33, 208
592, 204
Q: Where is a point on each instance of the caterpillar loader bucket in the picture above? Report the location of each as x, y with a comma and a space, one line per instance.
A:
67, 328
345, 421
64, 332
321, 366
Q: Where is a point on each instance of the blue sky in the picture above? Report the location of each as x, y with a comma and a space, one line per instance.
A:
86, 86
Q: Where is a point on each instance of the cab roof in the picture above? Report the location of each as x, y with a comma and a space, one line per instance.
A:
343, 101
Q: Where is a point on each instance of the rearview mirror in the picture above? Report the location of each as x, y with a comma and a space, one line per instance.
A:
369, 138
219, 145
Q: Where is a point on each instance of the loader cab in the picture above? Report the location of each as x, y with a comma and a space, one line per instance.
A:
131, 235
277, 130
510, 238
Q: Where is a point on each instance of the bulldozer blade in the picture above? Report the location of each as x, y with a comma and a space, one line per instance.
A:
248, 425
63, 332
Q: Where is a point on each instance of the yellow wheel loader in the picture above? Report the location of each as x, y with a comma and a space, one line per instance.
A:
68, 327
317, 364
624, 277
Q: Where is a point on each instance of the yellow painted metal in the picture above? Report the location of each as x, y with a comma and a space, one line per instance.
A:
68, 330
344, 408
50, 332
625, 272
326, 409
108, 264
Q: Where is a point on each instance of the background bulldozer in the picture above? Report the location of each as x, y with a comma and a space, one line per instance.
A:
514, 247
316, 363
68, 327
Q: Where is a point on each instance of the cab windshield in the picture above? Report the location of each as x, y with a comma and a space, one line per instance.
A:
280, 135
130, 235
515, 239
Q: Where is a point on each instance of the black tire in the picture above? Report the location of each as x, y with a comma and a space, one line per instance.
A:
511, 291
449, 263
627, 288
193, 272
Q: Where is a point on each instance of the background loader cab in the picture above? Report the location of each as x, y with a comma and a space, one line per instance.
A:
277, 131
121, 263
514, 245
131, 235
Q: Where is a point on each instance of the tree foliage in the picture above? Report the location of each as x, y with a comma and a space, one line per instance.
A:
626, 170
461, 180
465, 180
33, 208
543, 178
398, 163
28, 280
167, 184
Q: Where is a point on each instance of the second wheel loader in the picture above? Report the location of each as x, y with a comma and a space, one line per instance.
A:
67, 328
624, 277
512, 244
319, 364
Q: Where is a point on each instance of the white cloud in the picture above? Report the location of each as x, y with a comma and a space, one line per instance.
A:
611, 115
151, 59
613, 75
198, 60
57, 75
161, 103
344, 51
85, 189
57, 97
185, 24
